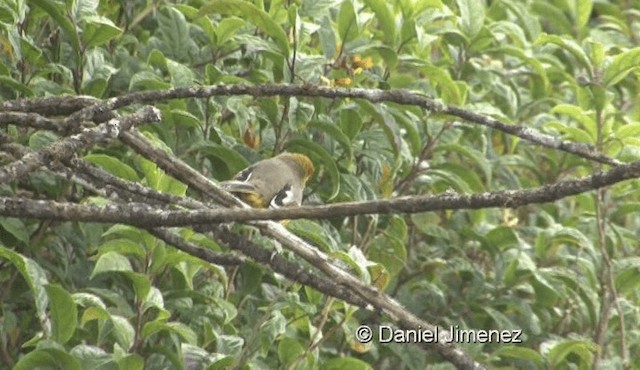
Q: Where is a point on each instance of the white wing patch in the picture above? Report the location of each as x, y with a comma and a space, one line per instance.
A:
283, 198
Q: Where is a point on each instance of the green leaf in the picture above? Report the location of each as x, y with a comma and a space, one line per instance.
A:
251, 13
168, 184
42, 139
520, 353
141, 283
350, 363
15, 85
95, 87
502, 237
546, 294
47, 359
274, 326
555, 17
472, 15
628, 130
356, 261
573, 133
335, 132
472, 156
109, 262
15, 227
114, 166
585, 351
380, 276
56, 11
183, 118
535, 64
157, 59
386, 121
87, 300
583, 12
94, 313
314, 232
232, 161
123, 246
146, 80
229, 344
350, 122
389, 252
319, 156
427, 223
159, 180
520, 269
131, 362
31, 52
586, 119
98, 31
458, 177
153, 327
181, 75
91, 357
63, 313
347, 22
154, 300
385, 20
409, 123
227, 28
389, 248
621, 65
189, 11
569, 45
626, 274
123, 331
299, 112
36, 279
327, 38
289, 350
173, 35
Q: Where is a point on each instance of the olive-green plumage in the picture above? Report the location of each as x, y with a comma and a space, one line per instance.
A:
275, 182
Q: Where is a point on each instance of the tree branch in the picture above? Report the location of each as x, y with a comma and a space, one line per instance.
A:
223, 259
143, 215
50, 105
69, 146
317, 258
90, 112
376, 96
28, 119
125, 189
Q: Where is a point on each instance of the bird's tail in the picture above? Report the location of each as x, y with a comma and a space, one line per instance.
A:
234, 186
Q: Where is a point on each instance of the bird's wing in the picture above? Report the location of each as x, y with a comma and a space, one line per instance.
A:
284, 198
235, 186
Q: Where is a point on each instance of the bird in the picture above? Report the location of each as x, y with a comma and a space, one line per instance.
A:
272, 183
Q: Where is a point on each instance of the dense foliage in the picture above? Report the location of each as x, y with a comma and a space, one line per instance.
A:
87, 295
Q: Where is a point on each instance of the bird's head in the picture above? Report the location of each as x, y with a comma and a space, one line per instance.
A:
302, 162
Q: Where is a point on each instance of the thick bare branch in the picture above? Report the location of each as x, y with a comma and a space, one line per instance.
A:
69, 146
91, 109
146, 216
49, 106
373, 95
28, 119
289, 269
179, 169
